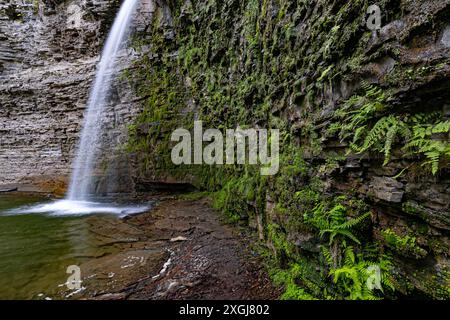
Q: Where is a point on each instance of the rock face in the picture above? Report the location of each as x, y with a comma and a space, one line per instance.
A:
387, 189
297, 66
48, 56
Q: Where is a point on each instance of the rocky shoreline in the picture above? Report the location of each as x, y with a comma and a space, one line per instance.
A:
181, 249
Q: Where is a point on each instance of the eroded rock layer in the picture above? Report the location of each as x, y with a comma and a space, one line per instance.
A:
363, 116
48, 56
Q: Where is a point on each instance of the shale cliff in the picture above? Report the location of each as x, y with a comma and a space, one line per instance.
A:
48, 55
363, 114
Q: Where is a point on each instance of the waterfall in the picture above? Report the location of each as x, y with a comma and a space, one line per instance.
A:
89, 144
77, 200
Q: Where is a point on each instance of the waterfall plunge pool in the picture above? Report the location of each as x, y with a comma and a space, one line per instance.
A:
40, 238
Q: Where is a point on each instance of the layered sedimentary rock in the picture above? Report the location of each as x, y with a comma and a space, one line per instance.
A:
48, 56
310, 69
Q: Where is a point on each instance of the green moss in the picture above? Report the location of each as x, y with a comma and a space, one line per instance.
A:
256, 64
405, 245
289, 280
36, 6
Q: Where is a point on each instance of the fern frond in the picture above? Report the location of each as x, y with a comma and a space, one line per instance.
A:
327, 255
354, 222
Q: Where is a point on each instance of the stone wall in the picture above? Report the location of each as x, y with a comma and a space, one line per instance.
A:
48, 55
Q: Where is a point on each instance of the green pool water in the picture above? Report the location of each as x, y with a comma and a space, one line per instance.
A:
36, 249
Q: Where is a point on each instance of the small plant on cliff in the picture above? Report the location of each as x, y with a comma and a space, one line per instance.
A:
289, 279
367, 128
404, 245
422, 139
334, 221
355, 277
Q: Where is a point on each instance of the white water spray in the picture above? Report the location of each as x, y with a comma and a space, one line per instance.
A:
89, 144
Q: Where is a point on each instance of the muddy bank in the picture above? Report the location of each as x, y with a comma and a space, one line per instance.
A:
179, 250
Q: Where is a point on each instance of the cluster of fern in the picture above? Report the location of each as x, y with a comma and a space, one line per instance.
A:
351, 273
358, 277
334, 222
368, 126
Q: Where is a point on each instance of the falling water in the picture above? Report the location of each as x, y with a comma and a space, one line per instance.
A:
89, 145
77, 201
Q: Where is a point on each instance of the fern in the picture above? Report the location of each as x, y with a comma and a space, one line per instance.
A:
326, 253
422, 142
352, 277
366, 129
355, 221
334, 222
